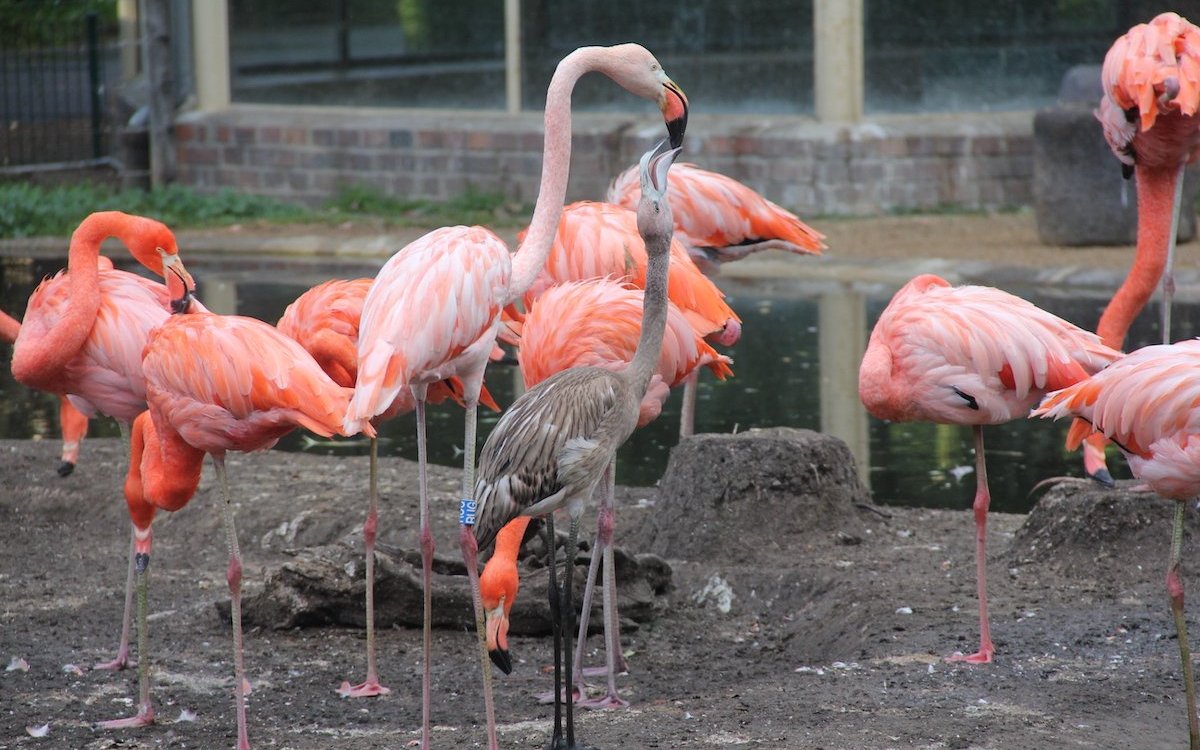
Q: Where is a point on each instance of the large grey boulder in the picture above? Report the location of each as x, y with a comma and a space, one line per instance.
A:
1080, 196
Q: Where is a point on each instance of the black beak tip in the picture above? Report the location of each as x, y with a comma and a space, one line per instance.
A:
182, 304
502, 659
675, 130
65, 468
1104, 478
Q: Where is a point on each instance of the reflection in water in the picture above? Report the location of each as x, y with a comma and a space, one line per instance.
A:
785, 374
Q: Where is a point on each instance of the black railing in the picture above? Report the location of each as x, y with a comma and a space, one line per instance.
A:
52, 94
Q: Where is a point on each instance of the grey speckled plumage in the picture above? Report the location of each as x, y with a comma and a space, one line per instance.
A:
552, 446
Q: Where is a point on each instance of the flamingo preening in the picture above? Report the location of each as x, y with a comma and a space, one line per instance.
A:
416, 333
1151, 78
83, 332
553, 446
1147, 403
975, 356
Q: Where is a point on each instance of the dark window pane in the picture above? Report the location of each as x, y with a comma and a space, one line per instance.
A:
394, 53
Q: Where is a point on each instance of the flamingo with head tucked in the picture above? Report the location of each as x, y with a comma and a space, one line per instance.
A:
434, 309
1151, 78
975, 356
83, 332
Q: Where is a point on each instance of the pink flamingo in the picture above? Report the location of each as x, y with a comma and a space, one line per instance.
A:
600, 240
216, 383
974, 356
1151, 80
593, 323
1146, 403
434, 309
72, 422
83, 332
720, 220
551, 448
324, 320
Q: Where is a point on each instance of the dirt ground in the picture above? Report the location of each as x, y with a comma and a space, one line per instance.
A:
833, 638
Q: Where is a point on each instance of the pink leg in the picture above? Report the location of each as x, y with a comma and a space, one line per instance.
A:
426, 568
687, 415
233, 576
122, 659
612, 632
371, 687
982, 499
145, 714
1175, 591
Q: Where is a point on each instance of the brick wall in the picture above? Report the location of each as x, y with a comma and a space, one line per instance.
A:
888, 164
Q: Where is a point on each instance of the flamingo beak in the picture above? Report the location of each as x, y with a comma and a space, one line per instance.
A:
497, 638
180, 285
674, 107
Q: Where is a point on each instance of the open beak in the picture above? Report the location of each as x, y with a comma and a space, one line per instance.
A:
180, 285
497, 638
675, 112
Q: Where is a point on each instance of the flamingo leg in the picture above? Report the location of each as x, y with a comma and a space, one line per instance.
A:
568, 621
687, 413
982, 499
145, 714
470, 552
371, 686
1168, 279
233, 576
426, 568
614, 660
121, 661
1175, 591
556, 736
589, 586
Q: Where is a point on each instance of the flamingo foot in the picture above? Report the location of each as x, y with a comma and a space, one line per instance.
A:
122, 661
547, 697
603, 702
982, 656
144, 718
368, 689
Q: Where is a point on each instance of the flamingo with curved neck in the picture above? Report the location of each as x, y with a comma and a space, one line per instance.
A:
83, 332
412, 335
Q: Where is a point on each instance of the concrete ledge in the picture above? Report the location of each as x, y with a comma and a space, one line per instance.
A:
897, 163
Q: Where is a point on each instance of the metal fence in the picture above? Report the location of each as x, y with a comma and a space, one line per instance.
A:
52, 96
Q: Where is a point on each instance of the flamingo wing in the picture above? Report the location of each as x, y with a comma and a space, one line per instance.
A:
434, 306
522, 462
712, 210
234, 383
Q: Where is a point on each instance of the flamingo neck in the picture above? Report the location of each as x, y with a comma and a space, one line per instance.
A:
878, 388
170, 467
556, 164
654, 315
499, 577
1156, 206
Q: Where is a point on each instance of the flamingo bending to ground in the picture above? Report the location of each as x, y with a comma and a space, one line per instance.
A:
554, 444
434, 309
1151, 80
720, 220
973, 356
600, 240
595, 323
325, 320
1146, 403
73, 423
83, 333
217, 383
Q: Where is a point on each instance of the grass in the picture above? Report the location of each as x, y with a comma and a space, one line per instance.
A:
30, 211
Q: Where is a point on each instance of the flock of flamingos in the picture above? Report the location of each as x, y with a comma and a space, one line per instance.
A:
614, 310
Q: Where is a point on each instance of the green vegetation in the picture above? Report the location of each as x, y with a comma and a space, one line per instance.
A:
30, 211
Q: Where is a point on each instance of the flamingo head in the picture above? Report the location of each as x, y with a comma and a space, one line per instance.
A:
498, 589
153, 244
654, 211
635, 68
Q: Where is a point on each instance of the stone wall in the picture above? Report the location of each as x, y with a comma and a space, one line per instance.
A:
888, 164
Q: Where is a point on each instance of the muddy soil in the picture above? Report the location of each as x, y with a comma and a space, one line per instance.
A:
833, 639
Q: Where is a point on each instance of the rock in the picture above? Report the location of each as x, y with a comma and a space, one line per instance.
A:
326, 585
725, 497
1086, 530
1079, 194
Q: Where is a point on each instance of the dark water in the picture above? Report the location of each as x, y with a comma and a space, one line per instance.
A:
778, 381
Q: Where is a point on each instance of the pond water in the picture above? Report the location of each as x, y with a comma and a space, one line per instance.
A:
795, 366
